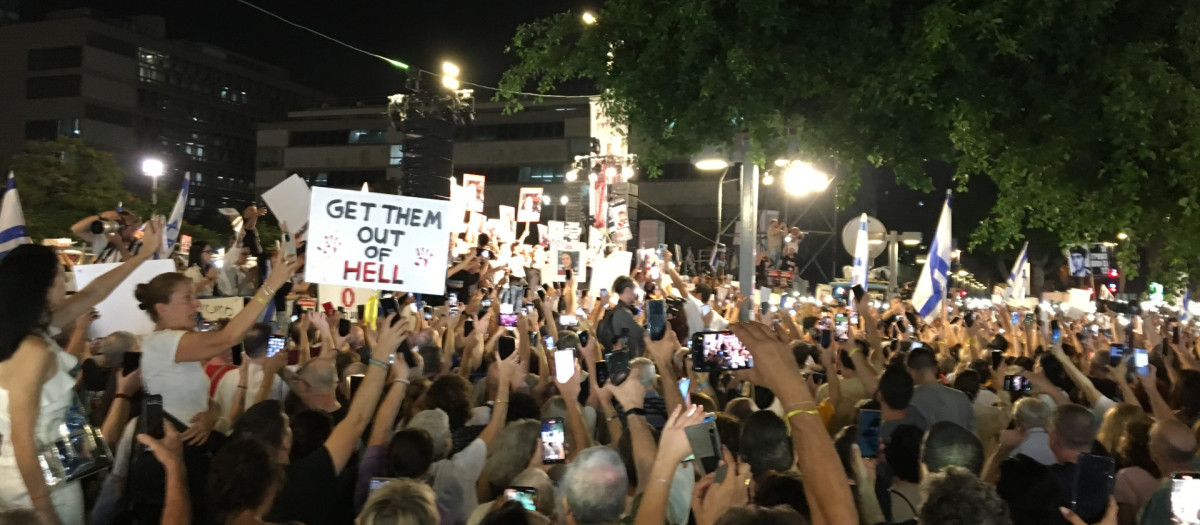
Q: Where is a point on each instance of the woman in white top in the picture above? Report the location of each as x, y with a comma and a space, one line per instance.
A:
34, 306
173, 355
201, 269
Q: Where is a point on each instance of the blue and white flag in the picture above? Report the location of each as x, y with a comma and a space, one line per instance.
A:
1016, 278
858, 273
174, 222
1185, 313
935, 276
12, 219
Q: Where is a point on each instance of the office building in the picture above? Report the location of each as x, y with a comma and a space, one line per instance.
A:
123, 87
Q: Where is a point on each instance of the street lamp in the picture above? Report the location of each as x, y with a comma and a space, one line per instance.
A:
1121, 236
545, 200
801, 178
713, 158
564, 200
450, 73
572, 175
589, 18
153, 168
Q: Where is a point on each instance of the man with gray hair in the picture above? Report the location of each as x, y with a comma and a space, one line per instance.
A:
1173, 449
642, 369
1034, 492
1031, 416
594, 487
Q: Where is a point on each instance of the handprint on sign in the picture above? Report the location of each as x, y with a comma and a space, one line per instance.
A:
423, 256
329, 245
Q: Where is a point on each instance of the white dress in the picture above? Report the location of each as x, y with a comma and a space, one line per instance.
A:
52, 414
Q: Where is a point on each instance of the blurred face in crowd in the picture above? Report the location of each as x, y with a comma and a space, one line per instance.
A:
58, 290
180, 312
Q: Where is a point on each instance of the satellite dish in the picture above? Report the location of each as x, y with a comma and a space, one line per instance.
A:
875, 232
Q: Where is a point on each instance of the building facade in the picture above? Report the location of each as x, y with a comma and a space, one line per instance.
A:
122, 86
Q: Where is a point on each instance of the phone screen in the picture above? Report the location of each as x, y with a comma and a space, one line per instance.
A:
1185, 498
1056, 335
685, 389
564, 364
275, 344
507, 345
508, 320
152, 416
601, 372
656, 319
523, 495
1116, 353
1141, 360
868, 432
1017, 383
130, 361
1016, 317
554, 441
568, 321
719, 351
841, 328
549, 342
618, 366
378, 482
1092, 487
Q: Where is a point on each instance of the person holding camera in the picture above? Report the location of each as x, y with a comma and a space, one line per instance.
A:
112, 234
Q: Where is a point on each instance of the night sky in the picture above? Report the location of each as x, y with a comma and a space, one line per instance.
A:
471, 33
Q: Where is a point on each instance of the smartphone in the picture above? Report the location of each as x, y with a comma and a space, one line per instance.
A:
858, 293
656, 319
568, 321
554, 441
714, 351
997, 358
328, 307
485, 253
452, 303
485, 303
508, 320
601, 372
685, 390
826, 337
1116, 354
1016, 317
1017, 383
130, 361
706, 444
1185, 498
564, 364
1092, 487
275, 344
1141, 361
152, 416
507, 345
237, 352
526, 496
355, 382
1029, 319
378, 482
548, 341
841, 328
584, 338
618, 366
868, 432
428, 312
468, 327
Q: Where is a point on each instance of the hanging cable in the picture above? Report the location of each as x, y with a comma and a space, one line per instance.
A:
394, 62
668, 217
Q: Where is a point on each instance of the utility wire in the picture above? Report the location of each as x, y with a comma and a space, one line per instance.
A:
394, 62
672, 219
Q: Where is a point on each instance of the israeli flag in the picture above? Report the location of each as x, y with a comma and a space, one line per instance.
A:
1016, 278
858, 275
1185, 313
12, 219
935, 276
174, 222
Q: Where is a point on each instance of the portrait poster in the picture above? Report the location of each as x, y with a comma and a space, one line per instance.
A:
529, 205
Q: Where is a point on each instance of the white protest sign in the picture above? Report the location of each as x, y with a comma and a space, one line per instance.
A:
564, 256
1080, 303
345, 297
119, 311
217, 308
289, 200
606, 270
378, 241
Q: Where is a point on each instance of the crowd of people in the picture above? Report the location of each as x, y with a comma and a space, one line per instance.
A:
450, 418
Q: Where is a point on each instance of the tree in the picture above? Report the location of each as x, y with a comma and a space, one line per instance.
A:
64, 180
1084, 114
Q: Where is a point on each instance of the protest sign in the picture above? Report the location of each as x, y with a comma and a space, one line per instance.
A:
564, 256
506, 228
557, 231
217, 308
529, 205
119, 311
345, 297
289, 201
458, 208
572, 231
619, 222
606, 270
378, 241
473, 186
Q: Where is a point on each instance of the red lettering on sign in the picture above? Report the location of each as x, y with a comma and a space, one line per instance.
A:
347, 297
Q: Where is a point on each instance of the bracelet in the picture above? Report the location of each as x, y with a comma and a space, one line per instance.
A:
378, 363
243, 387
119, 395
797, 412
804, 405
636, 412
261, 300
270, 292
400, 380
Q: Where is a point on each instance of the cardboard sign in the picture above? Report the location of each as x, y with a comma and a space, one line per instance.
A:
289, 201
119, 311
217, 308
345, 297
458, 208
473, 186
529, 205
563, 256
378, 241
606, 270
506, 228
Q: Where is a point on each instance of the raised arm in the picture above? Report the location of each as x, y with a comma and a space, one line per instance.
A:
673, 448
99, 289
389, 408
341, 442
1090, 392
118, 409
505, 368
576, 428
202, 346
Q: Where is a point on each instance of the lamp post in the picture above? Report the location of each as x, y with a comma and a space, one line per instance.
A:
710, 159
153, 168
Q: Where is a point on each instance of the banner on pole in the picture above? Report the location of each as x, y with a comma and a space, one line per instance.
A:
378, 241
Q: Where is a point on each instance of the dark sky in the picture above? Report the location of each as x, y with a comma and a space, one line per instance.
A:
472, 33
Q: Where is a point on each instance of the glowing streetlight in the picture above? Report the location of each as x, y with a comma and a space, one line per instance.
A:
768, 179
627, 172
1122, 236
564, 200
572, 175
450, 73
545, 200
802, 178
154, 169
589, 18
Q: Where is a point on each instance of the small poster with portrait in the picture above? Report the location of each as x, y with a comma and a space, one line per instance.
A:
564, 256
529, 205
473, 186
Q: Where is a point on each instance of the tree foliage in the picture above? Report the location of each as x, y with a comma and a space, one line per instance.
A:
1084, 114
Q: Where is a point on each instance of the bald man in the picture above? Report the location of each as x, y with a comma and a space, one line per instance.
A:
1173, 449
316, 388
